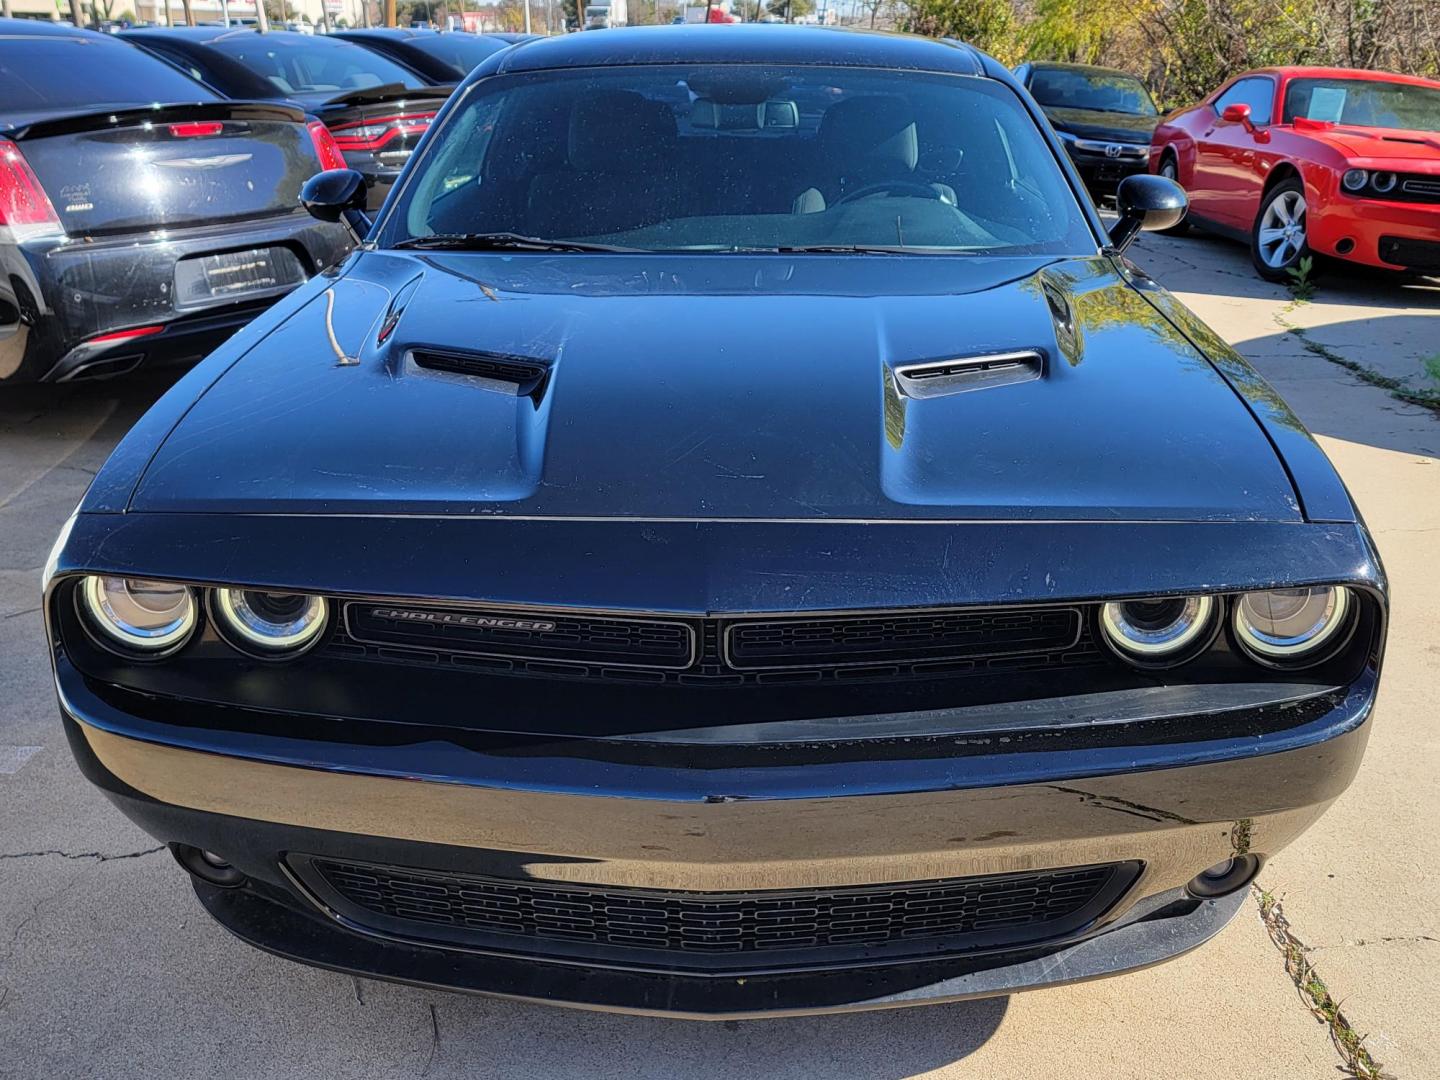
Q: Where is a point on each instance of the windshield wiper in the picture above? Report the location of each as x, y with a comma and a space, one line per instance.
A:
500, 241
842, 249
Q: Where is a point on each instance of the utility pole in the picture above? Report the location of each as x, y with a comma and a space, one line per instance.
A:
76, 15
389, 12
189, 15
262, 20
527, 16
6, 8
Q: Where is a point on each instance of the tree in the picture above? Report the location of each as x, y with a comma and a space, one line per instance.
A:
990, 25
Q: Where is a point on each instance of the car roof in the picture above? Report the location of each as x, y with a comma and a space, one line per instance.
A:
1084, 69
206, 35
383, 32
42, 28
1300, 72
759, 43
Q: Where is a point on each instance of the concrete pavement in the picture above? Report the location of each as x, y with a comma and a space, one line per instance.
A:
108, 967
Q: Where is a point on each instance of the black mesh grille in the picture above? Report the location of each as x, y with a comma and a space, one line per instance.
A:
845, 640
720, 651
1011, 908
543, 636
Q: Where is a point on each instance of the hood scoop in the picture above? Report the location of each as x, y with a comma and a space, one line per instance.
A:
519, 375
957, 375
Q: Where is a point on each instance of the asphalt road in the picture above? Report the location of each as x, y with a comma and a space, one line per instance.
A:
108, 967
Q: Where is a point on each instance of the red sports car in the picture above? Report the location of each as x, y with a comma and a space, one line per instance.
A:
1334, 161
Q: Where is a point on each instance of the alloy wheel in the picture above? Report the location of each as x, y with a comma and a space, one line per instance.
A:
1281, 236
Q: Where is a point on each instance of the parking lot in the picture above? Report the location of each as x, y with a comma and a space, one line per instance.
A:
108, 967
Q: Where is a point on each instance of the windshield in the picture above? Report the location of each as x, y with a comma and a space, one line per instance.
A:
735, 158
97, 73
1364, 103
307, 65
1062, 88
460, 50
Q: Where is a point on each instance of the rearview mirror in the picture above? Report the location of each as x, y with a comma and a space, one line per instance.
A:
1146, 203
337, 193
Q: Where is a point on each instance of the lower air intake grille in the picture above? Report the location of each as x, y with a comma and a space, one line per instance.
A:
926, 916
1416, 254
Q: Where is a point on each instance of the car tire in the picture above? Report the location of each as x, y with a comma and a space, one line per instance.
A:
1278, 239
1170, 170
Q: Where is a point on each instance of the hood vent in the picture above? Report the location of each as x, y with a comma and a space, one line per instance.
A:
526, 375
938, 378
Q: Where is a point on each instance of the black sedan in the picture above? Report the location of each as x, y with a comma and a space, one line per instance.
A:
376, 108
849, 585
1104, 117
442, 58
133, 232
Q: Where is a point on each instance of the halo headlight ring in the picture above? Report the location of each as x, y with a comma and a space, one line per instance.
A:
1314, 624
268, 624
1159, 632
139, 618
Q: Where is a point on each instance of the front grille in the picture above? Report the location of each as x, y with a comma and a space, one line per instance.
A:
1415, 254
523, 635
718, 650
847, 640
567, 920
1417, 187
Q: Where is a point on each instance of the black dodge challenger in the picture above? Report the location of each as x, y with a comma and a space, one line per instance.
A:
739, 538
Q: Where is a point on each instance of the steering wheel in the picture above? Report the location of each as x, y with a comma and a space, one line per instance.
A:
891, 187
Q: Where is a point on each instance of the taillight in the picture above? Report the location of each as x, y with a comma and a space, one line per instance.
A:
325, 148
196, 129
374, 133
25, 209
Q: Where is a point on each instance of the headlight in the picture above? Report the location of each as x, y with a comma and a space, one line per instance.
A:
149, 616
1161, 631
270, 622
1290, 626
1354, 179
1383, 182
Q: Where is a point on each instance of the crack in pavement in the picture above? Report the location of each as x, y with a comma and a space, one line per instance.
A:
98, 856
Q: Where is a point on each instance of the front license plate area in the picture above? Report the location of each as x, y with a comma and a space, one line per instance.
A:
204, 280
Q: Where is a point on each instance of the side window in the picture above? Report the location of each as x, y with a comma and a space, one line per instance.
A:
1257, 92
181, 61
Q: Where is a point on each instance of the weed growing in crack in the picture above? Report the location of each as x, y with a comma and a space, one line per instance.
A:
1357, 1061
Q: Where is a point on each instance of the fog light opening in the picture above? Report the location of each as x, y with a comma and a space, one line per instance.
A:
1345, 246
207, 866
1224, 878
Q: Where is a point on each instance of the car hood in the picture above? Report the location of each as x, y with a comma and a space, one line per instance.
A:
720, 387
1094, 124
1410, 151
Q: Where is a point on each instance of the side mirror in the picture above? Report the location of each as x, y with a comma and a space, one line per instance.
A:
1238, 113
1146, 203
337, 193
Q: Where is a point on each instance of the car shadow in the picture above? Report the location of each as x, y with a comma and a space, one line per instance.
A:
565, 1043
1214, 265
1334, 400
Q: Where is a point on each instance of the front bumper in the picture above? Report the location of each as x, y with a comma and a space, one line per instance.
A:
1102, 174
63, 296
1389, 235
605, 816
